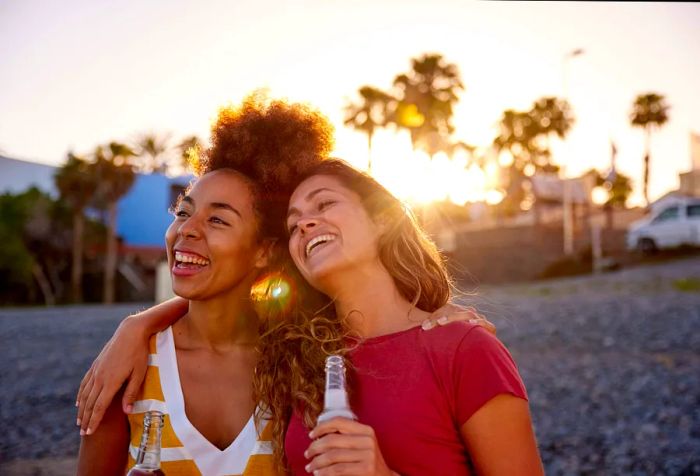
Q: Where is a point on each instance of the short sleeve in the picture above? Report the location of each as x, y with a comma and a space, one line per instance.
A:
483, 369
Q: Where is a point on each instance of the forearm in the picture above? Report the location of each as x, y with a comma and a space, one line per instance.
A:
159, 317
105, 452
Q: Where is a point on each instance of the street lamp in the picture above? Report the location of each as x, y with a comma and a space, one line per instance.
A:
567, 217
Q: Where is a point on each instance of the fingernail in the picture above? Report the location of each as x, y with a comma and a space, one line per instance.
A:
306, 454
82, 432
442, 320
311, 434
77, 403
427, 325
89, 431
129, 408
77, 422
473, 321
307, 468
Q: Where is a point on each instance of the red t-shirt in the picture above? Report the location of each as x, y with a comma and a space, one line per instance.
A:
416, 388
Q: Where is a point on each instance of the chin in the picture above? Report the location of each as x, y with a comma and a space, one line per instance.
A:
186, 293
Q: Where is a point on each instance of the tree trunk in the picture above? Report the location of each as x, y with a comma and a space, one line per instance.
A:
111, 255
369, 153
77, 266
647, 146
609, 216
49, 298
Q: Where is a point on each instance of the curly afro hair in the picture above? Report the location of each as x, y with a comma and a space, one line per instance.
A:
270, 142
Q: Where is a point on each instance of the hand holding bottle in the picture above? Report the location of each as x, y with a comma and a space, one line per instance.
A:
345, 447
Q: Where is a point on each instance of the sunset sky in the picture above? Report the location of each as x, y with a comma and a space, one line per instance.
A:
78, 73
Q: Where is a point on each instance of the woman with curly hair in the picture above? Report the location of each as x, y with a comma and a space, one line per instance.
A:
227, 230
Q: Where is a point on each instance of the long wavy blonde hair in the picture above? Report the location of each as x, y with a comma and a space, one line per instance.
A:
289, 375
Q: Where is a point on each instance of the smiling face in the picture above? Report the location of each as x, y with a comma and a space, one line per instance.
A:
212, 244
330, 231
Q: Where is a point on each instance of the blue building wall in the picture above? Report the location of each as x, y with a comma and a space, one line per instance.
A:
143, 212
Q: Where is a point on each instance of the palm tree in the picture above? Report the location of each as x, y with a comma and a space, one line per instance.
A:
76, 183
187, 147
427, 95
551, 115
116, 176
151, 148
368, 114
526, 136
648, 111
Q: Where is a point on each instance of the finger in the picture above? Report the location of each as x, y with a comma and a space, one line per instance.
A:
345, 469
445, 310
340, 425
84, 394
83, 383
132, 389
103, 400
458, 314
336, 441
89, 405
490, 327
333, 457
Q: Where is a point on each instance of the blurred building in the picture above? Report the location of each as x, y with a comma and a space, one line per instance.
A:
142, 220
143, 211
16, 176
690, 181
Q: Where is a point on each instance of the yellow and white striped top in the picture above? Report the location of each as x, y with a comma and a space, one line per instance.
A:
185, 451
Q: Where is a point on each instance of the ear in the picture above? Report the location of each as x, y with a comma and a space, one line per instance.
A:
265, 254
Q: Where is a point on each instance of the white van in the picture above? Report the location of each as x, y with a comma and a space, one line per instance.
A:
674, 224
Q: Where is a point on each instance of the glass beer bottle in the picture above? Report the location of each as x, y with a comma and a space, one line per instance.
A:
335, 400
148, 457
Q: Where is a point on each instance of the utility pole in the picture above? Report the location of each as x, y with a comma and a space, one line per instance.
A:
567, 216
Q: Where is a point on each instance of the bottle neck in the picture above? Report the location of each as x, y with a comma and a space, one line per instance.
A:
336, 395
148, 456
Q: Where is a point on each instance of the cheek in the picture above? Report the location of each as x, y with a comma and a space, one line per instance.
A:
170, 236
293, 246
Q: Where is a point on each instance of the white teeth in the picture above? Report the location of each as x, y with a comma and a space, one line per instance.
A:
187, 258
316, 240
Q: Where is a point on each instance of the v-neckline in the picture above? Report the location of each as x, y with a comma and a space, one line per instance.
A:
204, 452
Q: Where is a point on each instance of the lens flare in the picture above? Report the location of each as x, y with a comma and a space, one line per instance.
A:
272, 295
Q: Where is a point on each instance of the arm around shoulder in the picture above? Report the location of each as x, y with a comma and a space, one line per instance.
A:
123, 359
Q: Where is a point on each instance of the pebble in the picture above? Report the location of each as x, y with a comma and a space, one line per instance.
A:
611, 363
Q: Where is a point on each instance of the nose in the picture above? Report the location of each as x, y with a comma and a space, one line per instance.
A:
190, 228
307, 224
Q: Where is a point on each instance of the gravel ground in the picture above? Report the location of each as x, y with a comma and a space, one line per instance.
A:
611, 362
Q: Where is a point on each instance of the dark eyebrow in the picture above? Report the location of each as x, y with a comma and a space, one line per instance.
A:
295, 211
217, 205
225, 206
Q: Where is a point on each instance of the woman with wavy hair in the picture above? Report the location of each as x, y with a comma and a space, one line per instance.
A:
449, 401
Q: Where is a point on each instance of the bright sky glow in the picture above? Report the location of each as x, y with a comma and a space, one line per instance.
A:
81, 72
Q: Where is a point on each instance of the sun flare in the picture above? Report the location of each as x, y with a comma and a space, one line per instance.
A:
417, 179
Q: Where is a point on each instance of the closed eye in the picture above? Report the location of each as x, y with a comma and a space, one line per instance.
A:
292, 228
217, 221
325, 204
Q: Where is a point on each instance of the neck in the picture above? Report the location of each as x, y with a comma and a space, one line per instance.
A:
373, 305
221, 322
